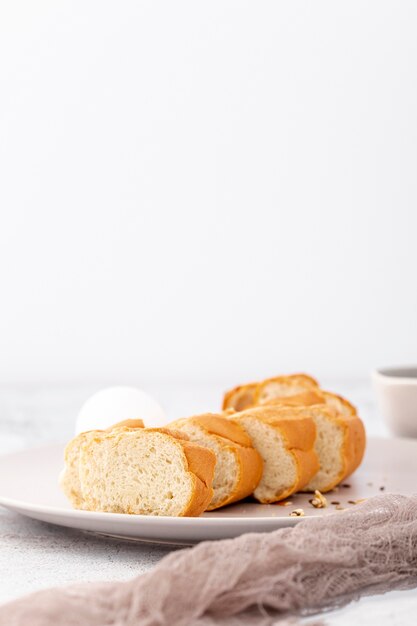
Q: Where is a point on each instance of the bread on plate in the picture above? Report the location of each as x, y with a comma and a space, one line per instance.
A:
238, 465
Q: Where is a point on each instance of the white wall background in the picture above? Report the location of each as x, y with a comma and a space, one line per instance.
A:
206, 190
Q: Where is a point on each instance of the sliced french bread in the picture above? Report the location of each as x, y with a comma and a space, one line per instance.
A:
238, 465
341, 438
139, 471
340, 445
284, 437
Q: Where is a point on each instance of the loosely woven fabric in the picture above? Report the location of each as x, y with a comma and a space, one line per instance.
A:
257, 579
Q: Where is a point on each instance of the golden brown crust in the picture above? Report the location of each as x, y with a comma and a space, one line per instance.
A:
306, 398
245, 396
308, 466
201, 463
250, 473
177, 434
316, 396
136, 423
218, 425
231, 435
354, 444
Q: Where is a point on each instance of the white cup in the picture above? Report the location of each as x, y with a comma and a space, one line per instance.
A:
396, 391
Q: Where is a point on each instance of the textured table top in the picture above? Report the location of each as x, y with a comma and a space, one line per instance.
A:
35, 555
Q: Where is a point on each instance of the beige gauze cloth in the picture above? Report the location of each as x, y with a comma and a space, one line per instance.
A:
320, 563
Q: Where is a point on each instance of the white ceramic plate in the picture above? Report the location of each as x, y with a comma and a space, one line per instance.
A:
28, 485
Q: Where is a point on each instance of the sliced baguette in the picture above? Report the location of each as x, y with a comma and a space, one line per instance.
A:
284, 437
340, 446
238, 465
341, 439
138, 471
246, 396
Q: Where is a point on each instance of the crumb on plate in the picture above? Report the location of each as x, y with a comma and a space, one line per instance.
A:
319, 501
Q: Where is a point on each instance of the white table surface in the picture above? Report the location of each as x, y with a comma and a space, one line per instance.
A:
35, 555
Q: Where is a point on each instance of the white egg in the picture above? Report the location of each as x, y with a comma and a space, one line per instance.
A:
115, 404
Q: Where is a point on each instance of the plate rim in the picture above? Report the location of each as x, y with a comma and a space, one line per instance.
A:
160, 520
24, 507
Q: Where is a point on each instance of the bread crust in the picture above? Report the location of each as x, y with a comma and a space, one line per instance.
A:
354, 444
245, 396
298, 432
131, 423
316, 396
306, 398
231, 436
250, 465
215, 424
201, 463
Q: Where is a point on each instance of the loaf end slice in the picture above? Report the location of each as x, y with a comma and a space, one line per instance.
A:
145, 472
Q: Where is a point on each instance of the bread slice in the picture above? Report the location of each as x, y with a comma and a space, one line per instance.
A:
238, 465
284, 437
136, 470
341, 439
69, 479
245, 396
340, 446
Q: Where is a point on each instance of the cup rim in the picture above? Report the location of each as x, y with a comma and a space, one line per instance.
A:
397, 374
